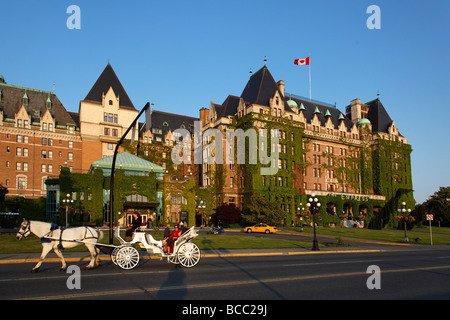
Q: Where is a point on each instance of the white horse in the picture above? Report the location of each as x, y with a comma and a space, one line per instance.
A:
74, 236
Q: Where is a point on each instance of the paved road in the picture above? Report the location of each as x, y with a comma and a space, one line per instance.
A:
406, 273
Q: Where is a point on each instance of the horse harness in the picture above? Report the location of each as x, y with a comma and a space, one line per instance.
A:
48, 237
25, 231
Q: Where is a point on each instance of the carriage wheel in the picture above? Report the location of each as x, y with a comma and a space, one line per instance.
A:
114, 255
127, 257
188, 254
173, 259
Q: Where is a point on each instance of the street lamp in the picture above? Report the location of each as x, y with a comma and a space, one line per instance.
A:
300, 209
314, 205
67, 201
403, 210
201, 205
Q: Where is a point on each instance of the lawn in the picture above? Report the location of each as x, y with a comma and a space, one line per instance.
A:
9, 243
441, 236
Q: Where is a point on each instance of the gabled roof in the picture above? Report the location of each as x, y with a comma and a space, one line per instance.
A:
260, 88
108, 79
12, 99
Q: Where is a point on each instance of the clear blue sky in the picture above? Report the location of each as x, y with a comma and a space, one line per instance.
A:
180, 55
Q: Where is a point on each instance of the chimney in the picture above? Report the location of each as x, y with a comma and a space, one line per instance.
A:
355, 110
204, 113
280, 85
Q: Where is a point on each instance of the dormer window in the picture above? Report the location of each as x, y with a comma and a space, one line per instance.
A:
110, 102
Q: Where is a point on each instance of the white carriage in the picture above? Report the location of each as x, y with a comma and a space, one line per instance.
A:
127, 256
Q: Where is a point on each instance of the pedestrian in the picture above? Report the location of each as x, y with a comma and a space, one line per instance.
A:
183, 227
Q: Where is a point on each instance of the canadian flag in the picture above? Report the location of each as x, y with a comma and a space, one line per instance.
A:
302, 62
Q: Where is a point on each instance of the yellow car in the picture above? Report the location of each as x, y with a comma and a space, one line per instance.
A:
261, 228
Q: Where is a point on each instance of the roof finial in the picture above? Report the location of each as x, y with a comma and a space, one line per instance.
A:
265, 61
251, 71
378, 94
53, 87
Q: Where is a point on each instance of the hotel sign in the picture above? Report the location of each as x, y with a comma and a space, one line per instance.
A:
357, 197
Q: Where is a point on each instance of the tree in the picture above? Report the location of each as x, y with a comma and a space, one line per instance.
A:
260, 209
227, 214
439, 205
3, 192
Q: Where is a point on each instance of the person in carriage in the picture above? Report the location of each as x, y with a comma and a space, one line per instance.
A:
169, 242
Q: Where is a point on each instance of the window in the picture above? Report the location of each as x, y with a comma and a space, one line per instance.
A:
70, 144
110, 102
115, 132
116, 120
44, 154
110, 117
18, 166
44, 141
19, 138
25, 152
105, 116
21, 182
70, 156
43, 168
106, 131
19, 152
25, 139
25, 166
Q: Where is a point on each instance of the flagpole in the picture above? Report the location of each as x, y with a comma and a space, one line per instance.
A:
309, 64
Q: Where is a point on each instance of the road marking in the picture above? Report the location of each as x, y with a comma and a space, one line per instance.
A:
223, 284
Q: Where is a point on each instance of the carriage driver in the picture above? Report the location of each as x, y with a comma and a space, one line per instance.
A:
137, 221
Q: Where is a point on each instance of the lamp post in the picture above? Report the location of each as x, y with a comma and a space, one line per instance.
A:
403, 210
314, 204
67, 201
300, 209
201, 205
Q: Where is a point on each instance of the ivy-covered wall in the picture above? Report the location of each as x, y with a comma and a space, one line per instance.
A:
89, 190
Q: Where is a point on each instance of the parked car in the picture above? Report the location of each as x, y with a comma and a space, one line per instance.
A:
262, 227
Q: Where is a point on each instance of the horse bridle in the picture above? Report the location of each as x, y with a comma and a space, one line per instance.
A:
26, 232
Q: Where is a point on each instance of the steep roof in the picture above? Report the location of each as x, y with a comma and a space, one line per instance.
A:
170, 121
12, 99
108, 79
260, 88
378, 116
